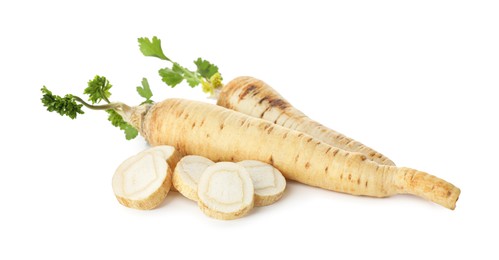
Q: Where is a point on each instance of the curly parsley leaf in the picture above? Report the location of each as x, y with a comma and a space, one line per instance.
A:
117, 120
98, 89
152, 47
145, 91
65, 106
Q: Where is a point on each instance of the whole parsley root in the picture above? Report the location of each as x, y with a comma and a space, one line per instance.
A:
256, 98
215, 132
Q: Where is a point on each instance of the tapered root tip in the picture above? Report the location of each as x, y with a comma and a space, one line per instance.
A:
429, 187
453, 198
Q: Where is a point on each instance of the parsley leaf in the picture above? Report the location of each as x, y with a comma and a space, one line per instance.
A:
145, 91
65, 106
152, 48
117, 120
173, 76
205, 68
170, 77
98, 89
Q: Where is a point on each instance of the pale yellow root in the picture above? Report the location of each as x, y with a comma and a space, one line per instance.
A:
221, 134
254, 97
268, 182
225, 191
143, 180
187, 174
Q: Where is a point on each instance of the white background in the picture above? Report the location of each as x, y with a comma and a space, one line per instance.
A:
416, 80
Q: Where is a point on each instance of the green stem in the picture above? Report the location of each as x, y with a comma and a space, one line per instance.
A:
102, 107
188, 72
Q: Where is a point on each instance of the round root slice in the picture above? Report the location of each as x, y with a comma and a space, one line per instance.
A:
167, 152
187, 174
143, 181
225, 191
269, 182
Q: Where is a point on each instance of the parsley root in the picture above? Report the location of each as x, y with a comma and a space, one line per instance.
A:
268, 182
215, 133
143, 180
225, 191
256, 98
187, 174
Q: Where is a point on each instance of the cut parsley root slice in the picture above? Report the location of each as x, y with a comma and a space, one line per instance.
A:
269, 183
143, 180
225, 191
187, 174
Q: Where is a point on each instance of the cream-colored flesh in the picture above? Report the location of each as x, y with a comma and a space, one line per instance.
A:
143, 180
269, 183
187, 174
225, 191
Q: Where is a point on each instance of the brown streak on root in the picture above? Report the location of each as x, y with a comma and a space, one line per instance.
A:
279, 103
265, 111
256, 93
271, 160
263, 99
246, 91
307, 165
279, 116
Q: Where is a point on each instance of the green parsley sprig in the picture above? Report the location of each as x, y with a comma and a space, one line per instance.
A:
98, 90
206, 73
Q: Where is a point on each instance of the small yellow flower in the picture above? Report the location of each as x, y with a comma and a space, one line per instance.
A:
216, 80
207, 87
